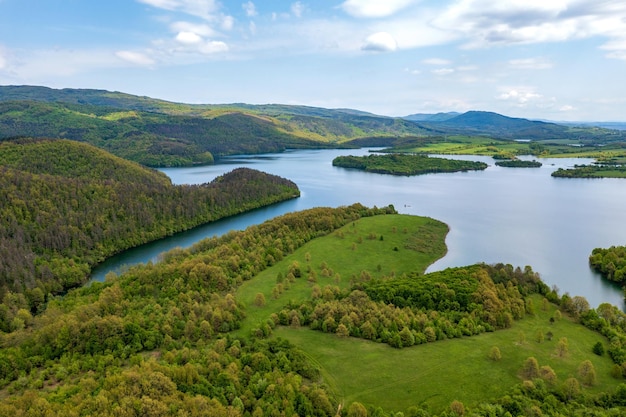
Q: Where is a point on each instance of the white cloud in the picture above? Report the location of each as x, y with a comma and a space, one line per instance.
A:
374, 8
617, 55
485, 23
519, 95
443, 71
297, 9
3, 60
567, 108
380, 42
188, 38
250, 9
213, 47
616, 48
199, 29
136, 58
227, 22
413, 29
436, 61
530, 63
204, 9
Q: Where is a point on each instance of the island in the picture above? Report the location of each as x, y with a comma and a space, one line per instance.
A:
406, 164
517, 163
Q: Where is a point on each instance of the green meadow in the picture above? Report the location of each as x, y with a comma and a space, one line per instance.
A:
430, 375
380, 246
433, 375
480, 145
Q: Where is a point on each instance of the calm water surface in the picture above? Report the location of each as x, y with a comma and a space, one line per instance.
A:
517, 216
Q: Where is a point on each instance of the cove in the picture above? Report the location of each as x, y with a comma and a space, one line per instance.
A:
520, 216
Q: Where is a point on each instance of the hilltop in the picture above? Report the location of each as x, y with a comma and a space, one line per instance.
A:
156, 132
67, 206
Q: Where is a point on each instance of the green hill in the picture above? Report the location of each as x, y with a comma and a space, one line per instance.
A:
66, 206
161, 133
173, 339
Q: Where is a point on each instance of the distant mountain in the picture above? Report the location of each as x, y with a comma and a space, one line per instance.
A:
504, 127
162, 133
430, 117
604, 125
495, 125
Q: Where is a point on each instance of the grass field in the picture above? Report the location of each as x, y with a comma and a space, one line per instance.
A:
356, 247
435, 374
470, 145
473, 145
430, 375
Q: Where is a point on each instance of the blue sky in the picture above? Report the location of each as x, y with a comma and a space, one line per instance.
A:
546, 59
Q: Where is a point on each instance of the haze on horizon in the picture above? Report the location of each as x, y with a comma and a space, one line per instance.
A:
559, 60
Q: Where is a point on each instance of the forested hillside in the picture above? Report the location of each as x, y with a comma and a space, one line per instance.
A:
152, 139
160, 133
161, 340
155, 341
66, 206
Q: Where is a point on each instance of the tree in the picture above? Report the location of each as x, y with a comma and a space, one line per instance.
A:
357, 409
598, 349
587, 373
530, 370
342, 330
539, 337
494, 354
579, 305
259, 299
407, 338
562, 347
457, 408
547, 374
571, 388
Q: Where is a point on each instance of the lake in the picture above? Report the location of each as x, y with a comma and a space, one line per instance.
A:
520, 216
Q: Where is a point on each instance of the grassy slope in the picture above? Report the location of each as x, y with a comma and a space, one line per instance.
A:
432, 374
435, 374
338, 253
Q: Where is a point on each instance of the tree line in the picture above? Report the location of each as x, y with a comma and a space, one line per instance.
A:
416, 309
65, 206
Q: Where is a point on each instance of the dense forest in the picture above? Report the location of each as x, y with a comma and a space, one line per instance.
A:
468, 301
610, 262
592, 171
152, 139
155, 340
405, 164
517, 163
200, 333
65, 206
158, 340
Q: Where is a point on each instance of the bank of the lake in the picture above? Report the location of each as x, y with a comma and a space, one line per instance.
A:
517, 216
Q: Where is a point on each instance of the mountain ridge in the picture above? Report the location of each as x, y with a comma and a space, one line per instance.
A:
157, 132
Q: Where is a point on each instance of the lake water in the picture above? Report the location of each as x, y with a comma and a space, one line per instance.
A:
520, 216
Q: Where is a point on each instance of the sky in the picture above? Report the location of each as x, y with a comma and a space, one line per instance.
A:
562, 60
